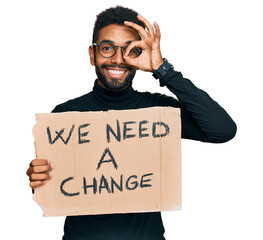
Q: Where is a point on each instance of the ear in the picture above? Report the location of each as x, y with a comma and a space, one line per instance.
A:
91, 55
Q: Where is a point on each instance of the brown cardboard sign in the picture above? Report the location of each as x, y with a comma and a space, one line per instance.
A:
110, 162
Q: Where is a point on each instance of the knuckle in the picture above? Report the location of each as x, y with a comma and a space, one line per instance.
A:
28, 172
33, 162
32, 177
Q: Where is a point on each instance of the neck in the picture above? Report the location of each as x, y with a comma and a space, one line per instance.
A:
114, 99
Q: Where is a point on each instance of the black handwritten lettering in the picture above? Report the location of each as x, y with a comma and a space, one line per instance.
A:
141, 129
107, 150
62, 188
143, 181
127, 129
110, 184
135, 183
94, 185
104, 184
120, 186
59, 135
109, 129
84, 134
167, 129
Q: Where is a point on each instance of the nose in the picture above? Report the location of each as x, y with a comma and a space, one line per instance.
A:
118, 57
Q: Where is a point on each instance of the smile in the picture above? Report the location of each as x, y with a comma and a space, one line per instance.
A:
116, 73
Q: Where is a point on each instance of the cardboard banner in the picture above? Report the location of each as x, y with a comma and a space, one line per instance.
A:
110, 162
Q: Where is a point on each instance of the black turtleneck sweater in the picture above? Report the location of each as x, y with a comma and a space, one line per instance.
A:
202, 119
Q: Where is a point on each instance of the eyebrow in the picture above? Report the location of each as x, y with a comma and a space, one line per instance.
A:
109, 41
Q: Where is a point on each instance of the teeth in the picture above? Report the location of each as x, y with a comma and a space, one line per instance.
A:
116, 71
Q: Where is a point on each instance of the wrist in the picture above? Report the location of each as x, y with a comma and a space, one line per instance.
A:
157, 65
163, 68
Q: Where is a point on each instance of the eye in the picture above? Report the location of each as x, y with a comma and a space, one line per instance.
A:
106, 48
135, 52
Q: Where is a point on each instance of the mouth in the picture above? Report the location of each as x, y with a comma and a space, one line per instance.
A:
116, 72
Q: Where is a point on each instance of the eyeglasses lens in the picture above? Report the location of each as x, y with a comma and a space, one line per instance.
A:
108, 50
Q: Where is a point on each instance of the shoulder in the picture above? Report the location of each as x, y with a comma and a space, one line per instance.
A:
76, 104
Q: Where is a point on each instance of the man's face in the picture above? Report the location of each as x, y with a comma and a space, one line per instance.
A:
113, 73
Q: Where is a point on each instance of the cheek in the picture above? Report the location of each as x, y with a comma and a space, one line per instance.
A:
99, 60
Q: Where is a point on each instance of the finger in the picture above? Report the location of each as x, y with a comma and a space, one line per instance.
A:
148, 26
130, 61
40, 176
39, 162
140, 30
29, 171
157, 30
42, 169
133, 44
35, 184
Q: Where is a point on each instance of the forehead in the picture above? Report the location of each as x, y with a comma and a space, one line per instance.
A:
118, 34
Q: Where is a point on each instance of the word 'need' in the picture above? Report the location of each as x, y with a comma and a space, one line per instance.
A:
129, 129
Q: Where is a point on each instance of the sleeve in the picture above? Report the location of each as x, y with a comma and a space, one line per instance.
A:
202, 118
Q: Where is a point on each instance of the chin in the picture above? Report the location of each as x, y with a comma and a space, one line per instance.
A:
115, 84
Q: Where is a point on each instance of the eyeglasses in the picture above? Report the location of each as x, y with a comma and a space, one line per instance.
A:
108, 50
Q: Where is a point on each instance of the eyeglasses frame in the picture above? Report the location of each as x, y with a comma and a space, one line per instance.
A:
116, 48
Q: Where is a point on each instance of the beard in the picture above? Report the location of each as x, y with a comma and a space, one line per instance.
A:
114, 83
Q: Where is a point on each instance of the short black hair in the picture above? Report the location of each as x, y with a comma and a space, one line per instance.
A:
115, 15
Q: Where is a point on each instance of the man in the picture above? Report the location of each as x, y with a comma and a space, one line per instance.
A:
123, 42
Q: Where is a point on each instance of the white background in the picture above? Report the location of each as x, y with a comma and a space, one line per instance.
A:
217, 44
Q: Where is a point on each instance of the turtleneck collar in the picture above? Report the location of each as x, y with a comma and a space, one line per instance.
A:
113, 98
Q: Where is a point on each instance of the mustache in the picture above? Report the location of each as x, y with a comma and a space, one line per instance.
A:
116, 66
